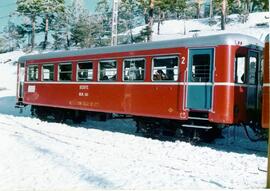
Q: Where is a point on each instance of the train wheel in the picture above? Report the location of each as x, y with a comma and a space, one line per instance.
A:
59, 116
39, 112
78, 117
196, 135
146, 128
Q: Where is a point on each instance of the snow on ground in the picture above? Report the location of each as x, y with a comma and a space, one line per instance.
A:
257, 25
109, 155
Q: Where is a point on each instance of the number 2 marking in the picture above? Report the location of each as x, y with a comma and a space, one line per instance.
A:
183, 60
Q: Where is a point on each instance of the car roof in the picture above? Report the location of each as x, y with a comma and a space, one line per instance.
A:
201, 41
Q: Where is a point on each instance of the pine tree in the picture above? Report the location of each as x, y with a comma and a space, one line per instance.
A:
103, 19
60, 32
31, 9
72, 13
148, 6
129, 17
49, 8
222, 6
162, 6
82, 31
12, 36
3, 44
168, 7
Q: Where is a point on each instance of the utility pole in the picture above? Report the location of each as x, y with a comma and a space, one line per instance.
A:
114, 22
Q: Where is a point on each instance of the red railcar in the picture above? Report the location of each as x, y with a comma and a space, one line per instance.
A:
266, 86
187, 83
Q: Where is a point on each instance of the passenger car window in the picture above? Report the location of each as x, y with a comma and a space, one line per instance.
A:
108, 70
240, 68
165, 68
48, 72
65, 72
85, 71
32, 73
134, 69
201, 68
252, 69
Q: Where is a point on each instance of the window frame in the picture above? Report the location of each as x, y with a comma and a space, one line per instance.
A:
58, 71
165, 57
123, 69
236, 69
116, 67
251, 54
28, 72
42, 74
77, 71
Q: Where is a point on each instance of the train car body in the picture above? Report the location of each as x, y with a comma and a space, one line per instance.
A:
213, 78
266, 86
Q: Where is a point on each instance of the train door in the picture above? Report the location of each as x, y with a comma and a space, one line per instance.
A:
21, 76
252, 80
200, 69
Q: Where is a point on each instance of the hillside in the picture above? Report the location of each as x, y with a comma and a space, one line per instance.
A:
257, 25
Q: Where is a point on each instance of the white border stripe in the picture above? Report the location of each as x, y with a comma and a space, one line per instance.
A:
154, 83
266, 85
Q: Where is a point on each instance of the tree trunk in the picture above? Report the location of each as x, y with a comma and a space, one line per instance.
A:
151, 19
239, 3
159, 21
198, 8
67, 34
185, 29
46, 32
248, 5
211, 9
33, 32
223, 15
131, 36
67, 42
145, 16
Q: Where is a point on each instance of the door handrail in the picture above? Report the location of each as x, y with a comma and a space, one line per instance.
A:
185, 91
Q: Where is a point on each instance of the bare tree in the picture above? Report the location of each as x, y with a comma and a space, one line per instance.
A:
223, 14
151, 19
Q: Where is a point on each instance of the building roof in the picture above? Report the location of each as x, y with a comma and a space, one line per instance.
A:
213, 40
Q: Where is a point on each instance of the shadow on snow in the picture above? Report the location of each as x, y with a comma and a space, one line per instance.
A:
234, 138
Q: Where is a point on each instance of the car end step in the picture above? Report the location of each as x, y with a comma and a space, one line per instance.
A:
197, 126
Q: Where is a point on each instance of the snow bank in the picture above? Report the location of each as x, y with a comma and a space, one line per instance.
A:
41, 155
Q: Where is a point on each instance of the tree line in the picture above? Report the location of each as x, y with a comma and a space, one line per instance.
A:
72, 26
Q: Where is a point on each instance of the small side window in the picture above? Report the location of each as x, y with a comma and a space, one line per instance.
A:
134, 69
240, 68
85, 71
48, 72
108, 70
65, 72
32, 73
165, 68
252, 69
